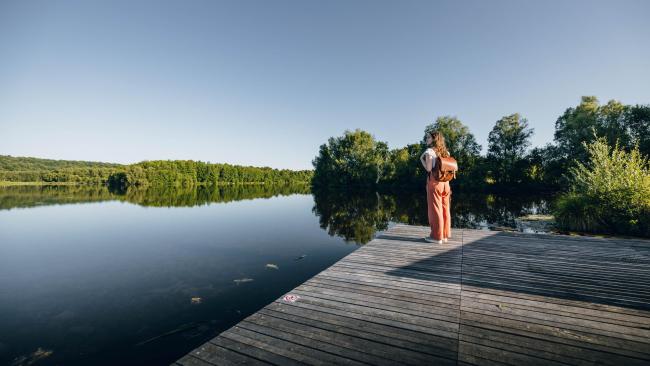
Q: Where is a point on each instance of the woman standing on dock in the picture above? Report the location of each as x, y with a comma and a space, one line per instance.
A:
438, 193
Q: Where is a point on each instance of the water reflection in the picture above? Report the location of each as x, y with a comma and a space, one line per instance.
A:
353, 216
201, 195
33, 196
357, 216
156, 196
108, 283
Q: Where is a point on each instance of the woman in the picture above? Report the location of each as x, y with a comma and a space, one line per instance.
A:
438, 193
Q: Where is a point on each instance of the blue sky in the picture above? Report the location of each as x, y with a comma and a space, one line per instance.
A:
265, 83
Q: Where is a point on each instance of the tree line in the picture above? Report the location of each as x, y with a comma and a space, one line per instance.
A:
357, 159
189, 172
167, 172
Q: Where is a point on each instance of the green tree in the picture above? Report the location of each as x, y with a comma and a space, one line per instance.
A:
544, 168
404, 167
460, 142
637, 123
508, 142
355, 158
618, 123
611, 124
575, 126
625, 126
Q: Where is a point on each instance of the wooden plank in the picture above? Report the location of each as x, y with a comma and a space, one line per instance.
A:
403, 349
561, 291
390, 293
564, 322
622, 311
446, 347
398, 323
413, 277
431, 288
189, 360
571, 354
473, 353
214, 354
231, 341
276, 350
574, 310
556, 334
439, 326
561, 262
616, 280
395, 278
406, 307
356, 348
304, 349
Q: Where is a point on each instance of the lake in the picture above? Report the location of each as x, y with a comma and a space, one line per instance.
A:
90, 275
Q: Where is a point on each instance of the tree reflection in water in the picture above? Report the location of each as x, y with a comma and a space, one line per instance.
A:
158, 196
356, 216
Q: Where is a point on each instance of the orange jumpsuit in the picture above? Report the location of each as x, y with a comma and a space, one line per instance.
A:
438, 202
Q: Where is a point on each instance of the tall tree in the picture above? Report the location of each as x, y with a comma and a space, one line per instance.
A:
355, 158
622, 126
508, 142
611, 124
637, 123
545, 168
590, 120
577, 125
404, 167
461, 143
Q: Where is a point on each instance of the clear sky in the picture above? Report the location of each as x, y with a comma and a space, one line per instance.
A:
266, 82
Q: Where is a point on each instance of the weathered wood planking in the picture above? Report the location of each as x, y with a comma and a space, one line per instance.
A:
484, 298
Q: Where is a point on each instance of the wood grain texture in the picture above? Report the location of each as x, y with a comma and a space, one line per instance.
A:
483, 298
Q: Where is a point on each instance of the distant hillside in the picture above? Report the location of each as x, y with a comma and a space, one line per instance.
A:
12, 163
157, 173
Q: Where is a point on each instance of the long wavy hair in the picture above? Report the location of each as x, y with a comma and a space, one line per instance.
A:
438, 144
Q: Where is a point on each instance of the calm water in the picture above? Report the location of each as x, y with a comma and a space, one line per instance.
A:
90, 276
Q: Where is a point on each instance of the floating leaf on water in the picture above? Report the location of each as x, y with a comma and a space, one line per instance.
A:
242, 280
272, 266
32, 358
196, 300
301, 257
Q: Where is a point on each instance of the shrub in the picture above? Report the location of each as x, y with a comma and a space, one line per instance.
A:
610, 193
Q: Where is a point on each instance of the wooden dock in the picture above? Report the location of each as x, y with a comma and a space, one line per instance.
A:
484, 298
